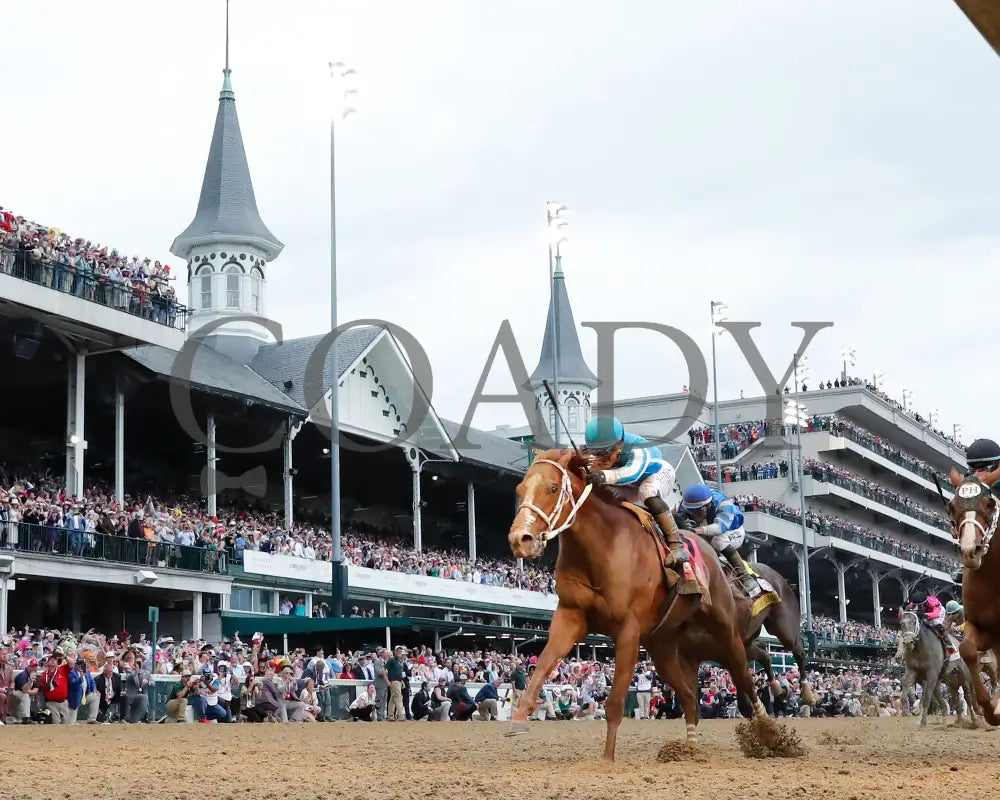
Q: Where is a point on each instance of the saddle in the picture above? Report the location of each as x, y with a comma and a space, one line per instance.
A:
670, 575
766, 598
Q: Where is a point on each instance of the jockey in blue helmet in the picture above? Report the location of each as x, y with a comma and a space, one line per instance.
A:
709, 513
639, 464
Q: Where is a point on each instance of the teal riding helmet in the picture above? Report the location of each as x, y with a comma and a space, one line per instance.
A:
952, 607
604, 432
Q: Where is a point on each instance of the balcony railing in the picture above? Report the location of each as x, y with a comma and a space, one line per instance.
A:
879, 496
873, 541
94, 287
93, 547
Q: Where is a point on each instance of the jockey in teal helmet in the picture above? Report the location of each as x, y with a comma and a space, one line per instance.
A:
641, 465
709, 513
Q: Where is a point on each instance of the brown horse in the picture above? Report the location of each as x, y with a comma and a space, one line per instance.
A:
975, 511
609, 580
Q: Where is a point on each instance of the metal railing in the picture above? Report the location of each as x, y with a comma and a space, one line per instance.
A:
49, 540
870, 540
826, 475
90, 285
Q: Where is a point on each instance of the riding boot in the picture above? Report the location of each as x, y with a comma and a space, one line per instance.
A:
675, 544
739, 566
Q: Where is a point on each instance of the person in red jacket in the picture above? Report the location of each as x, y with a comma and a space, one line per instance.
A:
54, 686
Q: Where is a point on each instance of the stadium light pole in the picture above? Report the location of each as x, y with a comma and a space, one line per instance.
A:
342, 108
907, 397
720, 313
956, 433
796, 414
848, 355
556, 224
879, 379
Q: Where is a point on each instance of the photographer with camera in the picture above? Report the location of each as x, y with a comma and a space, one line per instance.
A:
643, 681
177, 701
55, 686
137, 681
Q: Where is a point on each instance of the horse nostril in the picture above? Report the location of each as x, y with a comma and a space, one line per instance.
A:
527, 538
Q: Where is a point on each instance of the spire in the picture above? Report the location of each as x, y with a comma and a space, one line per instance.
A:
227, 209
572, 366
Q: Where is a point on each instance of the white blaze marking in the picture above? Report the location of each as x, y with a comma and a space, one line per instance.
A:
969, 532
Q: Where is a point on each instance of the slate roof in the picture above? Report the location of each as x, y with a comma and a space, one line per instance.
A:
214, 372
289, 360
490, 450
227, 208
572, 366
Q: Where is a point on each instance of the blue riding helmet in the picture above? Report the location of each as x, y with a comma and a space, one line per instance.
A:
604, 432
697, 495
952, 607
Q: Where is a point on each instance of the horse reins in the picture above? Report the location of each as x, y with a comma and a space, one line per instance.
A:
565, 497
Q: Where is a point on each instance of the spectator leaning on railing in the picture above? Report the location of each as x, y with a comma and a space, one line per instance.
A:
52, 258
833, 526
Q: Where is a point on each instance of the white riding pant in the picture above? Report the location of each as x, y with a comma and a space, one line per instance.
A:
734, 537
660, 483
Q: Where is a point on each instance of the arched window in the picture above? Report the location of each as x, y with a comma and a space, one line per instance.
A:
572, 414
552, 418
206, 291
233, 282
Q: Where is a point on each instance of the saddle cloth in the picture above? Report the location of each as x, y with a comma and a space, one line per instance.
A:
694, 553
766, 598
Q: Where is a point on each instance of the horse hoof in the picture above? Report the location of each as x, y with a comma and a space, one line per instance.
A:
517, 728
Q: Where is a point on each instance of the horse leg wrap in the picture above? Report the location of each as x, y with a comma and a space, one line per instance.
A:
692, 736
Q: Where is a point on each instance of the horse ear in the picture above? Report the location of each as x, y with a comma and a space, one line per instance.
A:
955, 477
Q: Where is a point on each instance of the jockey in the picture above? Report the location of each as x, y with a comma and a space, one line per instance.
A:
954, 619
932, 612
639, 464
709, 513
983, 455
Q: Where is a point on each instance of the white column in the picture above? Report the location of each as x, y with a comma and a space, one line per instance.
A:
842, 591
288, 474
210, 489
383, 611
309, 604
119, 446
196, 615
75, 442
803, 566
470, 507
876, 598
417, 530
3, 603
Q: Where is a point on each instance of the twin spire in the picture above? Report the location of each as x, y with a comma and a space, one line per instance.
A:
227, 208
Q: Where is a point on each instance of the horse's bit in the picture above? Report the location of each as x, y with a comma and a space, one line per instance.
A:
565, 497
970, 489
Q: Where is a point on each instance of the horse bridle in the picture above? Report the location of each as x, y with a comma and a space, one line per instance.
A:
972, 517
565, 497
908, 638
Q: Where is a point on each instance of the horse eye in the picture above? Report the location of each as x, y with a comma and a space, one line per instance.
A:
553, 488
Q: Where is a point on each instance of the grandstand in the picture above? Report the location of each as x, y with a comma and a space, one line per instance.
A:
179, 456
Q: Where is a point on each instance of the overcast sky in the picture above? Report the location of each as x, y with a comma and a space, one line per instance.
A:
830, 160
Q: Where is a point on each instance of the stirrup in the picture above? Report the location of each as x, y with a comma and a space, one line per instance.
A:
678, 552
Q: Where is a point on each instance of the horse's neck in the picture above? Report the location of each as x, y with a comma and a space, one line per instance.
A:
587, 542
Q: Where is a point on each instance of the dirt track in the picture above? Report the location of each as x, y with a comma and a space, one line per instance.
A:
850, 759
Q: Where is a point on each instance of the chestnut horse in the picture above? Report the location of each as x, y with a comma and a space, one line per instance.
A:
975, 511
609, 580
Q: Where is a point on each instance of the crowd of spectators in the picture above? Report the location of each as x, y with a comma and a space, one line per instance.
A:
827, 525
37, 515
48, 676
852, 632
734, 439
838, 476
756, 471
89, 270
